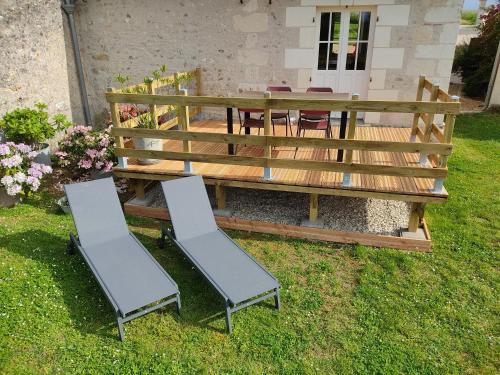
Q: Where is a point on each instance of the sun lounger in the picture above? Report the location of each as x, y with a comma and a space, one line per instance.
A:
132, 280
234, 274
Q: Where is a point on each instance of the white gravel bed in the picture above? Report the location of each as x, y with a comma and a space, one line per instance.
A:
339, 213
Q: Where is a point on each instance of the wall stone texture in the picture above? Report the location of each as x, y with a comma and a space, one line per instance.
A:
33, 56
238, 47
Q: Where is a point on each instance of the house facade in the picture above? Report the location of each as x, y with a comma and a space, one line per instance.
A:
376, 48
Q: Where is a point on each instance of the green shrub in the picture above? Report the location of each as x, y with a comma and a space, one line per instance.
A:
475, 60
32, 126
468, 17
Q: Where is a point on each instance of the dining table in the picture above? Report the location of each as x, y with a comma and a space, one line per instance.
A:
290, 95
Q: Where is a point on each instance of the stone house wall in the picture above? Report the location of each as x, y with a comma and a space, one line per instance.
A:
33, 57
238, 46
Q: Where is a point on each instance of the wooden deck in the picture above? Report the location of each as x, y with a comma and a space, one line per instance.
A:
363, 185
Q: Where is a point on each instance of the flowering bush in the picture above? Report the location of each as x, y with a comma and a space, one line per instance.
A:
20, 174
84, 149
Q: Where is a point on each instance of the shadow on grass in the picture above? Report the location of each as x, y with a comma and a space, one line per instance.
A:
85, 301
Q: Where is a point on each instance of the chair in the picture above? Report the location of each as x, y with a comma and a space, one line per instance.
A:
249, 122
130, 277
315, 120
236, 276
281, 115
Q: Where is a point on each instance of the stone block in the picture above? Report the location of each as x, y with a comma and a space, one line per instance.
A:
300, 16
253, 57
377, 79
444, 67
382, 36
383, 94
393, 15
449, 33
442, 15
298, 58
307, 37
387, 58
435, 51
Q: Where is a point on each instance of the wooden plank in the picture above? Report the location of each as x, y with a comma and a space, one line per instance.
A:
313, 207
267, 126
351, 130
220, 196
297, 104
416, 214
345, 192
332, 143
420, 92
115, 118
328, 235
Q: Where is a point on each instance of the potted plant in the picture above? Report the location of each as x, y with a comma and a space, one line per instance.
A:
32, 126
145, 121
20, 174
84, 150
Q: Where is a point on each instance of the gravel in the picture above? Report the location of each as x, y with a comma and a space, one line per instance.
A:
339, 213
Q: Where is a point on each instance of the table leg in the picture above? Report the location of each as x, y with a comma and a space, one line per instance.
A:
229, 115
343, 126
247, 116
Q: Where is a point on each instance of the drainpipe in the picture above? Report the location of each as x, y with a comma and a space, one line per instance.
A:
69, 8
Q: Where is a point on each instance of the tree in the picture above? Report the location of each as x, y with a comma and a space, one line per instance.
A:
475, 61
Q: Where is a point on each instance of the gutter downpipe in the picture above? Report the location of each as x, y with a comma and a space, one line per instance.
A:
69, 8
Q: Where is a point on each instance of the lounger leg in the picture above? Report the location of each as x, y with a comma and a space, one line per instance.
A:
161, 240
121, 331
178, 303
71, 245
228, 319
277, 302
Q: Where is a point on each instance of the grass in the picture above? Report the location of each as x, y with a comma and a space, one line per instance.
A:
346, 309
468, 17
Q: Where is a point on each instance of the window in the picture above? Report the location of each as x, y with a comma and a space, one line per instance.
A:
329, 41
357, 45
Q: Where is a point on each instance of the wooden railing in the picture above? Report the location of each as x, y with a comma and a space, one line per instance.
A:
267, 141
156, 85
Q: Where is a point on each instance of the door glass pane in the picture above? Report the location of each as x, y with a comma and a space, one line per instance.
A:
324, 26
335, 32
362, 50
334, 56
323, 50
351, 56
364, 29
353, 25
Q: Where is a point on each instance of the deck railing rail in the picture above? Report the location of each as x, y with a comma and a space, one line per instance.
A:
438, 148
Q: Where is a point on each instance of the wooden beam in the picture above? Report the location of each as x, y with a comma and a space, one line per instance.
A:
115, 118
429, 197
317, 234
386, 146
296, 104
139, 188
420, 92
313, 207
416, 216
220, 196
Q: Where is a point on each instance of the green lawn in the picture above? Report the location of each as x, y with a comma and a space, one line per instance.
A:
346, 309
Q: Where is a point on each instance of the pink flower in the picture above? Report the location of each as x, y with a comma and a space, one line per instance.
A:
13, 161
99, 165
108, 166
7, 180
85, 164
4, 149
23, 148
14, 189
34, 171
104, 142
92, 153
20, 177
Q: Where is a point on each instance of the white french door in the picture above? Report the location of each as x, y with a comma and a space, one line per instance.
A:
344, 42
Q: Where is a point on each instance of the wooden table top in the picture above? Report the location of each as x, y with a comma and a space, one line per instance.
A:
296, 95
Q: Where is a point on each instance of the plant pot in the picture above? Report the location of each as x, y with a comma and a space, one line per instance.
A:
64, 205
43, 156
6, 200
96, 174
149, 144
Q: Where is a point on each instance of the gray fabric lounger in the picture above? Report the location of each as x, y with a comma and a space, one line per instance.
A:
133, 281
236, 276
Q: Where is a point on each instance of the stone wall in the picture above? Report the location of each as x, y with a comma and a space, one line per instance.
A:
411, 38
33, 56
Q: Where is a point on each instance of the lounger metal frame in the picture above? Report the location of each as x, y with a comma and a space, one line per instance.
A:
231, 307
120, 316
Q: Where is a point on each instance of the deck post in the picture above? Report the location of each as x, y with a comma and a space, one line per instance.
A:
139, 189
428, 124
416, 216
220, 196
115, 118
199, 87
351, 132
268, 174
416, 116
152, 107
449, 125
184, 116
313, 207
